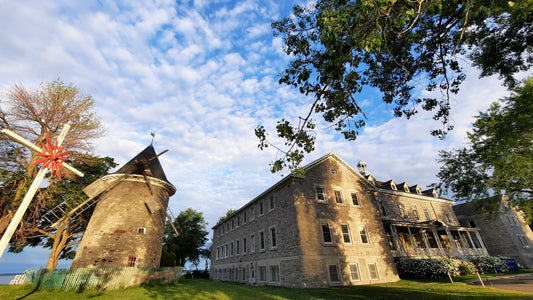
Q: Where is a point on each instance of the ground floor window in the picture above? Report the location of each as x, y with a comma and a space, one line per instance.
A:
274, 273
373, 270
132, 261
262, 273
333, 273
354, 272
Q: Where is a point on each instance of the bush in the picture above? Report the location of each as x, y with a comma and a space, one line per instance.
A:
489, 264
413, 268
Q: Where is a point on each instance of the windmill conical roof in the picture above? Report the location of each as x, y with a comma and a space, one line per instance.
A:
154, 164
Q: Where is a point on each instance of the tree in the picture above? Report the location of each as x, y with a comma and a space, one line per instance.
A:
227, 215
67, 193
339, 47
499, 159
188, 245
33, 114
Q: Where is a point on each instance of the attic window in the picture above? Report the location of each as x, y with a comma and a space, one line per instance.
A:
141, 230
393, 186
333, 171
418, 190
406, 188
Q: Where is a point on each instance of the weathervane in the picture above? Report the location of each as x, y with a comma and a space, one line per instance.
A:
53, 157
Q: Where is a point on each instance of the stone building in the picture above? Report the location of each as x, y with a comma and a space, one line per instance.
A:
126, 228
335, 226
505, 233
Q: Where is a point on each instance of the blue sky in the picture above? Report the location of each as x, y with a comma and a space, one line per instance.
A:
202, 75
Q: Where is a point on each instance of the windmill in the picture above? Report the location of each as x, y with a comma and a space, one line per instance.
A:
127, 226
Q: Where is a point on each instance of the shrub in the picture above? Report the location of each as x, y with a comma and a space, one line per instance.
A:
410, 268
489, 264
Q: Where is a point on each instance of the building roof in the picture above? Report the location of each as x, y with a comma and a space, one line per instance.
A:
154, 166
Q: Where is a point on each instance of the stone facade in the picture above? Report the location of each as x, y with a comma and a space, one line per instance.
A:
122, 232
334, 226
505, 233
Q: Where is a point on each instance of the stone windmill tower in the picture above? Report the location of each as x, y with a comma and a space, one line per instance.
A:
127, 226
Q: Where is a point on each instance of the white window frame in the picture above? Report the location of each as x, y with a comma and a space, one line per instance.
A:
262, 272
356, 197
348, 234
415, 212
375, 265
330, 233
273, 238
339, 191
274, 273
427, 213
364, 232
262, 240
356, 272
320, 186
252, 243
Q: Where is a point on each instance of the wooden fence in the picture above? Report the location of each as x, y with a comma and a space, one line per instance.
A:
100, 278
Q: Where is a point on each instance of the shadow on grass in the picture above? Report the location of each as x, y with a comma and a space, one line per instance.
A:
205, 289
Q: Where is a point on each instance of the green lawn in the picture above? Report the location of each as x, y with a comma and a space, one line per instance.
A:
205, 289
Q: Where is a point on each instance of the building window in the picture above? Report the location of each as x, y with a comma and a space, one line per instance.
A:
333, 171
232, 224
393, 186
338, 197
472, 224
252, 243
238, 246
273, 242
252, 212
274, 273
382, 209
272, 203
402, 211
333, 273
415, 213
354, 272
244, 217
238, 221
227, 250
132, 261
262, 273
261, 240
373, 270
244, 245
141, 230
364, 235
261, 208
426, 212
326, 233
355, 199
320, 193
346, 234
231, 249
523, 241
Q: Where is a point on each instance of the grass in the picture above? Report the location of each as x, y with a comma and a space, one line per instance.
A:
206, 289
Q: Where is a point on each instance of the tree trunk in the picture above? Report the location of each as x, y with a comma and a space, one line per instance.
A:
61, 238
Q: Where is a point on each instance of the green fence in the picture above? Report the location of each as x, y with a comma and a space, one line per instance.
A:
100, 278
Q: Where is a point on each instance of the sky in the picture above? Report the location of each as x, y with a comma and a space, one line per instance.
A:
202, 75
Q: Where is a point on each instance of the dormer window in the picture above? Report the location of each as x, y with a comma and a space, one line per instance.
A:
418, 190
435, 193
393, 186
371, 179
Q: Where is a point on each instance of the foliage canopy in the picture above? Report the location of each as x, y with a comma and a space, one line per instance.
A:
338, 47
499, 159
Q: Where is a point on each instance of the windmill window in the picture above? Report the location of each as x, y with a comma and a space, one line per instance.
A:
132, 261
141, 230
